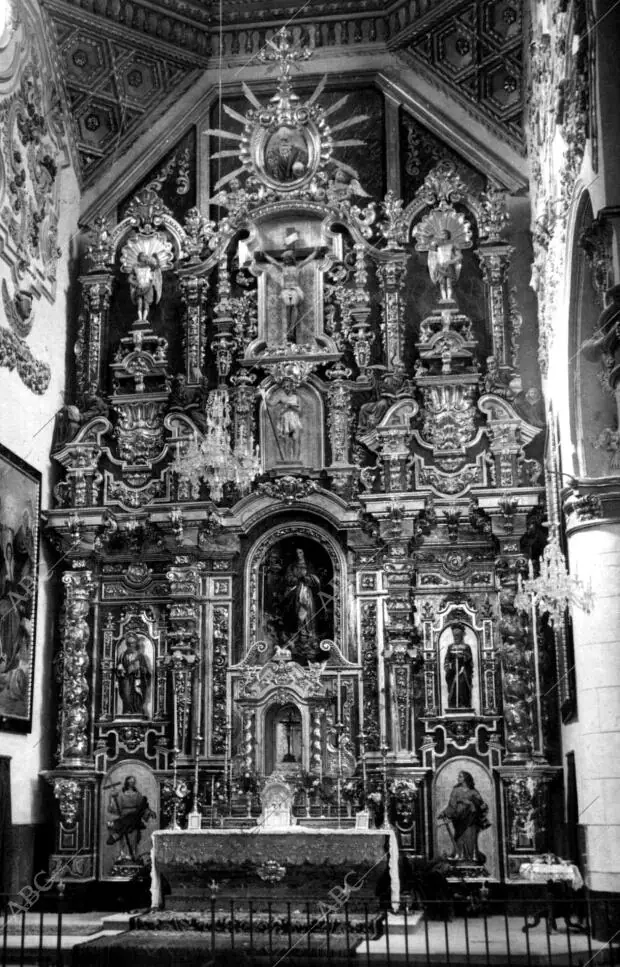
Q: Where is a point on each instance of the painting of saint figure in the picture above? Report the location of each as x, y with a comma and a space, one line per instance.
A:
286, 155
296, 602
19, 514
464, 811
128, 817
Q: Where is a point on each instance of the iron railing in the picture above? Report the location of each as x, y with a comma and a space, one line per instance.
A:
454, 933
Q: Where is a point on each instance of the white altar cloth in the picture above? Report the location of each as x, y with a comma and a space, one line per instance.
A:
541, 872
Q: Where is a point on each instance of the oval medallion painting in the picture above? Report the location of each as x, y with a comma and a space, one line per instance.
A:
286, 155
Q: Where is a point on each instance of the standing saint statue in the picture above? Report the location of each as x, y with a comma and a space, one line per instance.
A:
467, 811
458, 667
133, 674
444, 264
144, 259
443, 233
301, 597
288, 425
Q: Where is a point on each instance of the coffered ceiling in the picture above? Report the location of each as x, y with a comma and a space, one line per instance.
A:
125, 62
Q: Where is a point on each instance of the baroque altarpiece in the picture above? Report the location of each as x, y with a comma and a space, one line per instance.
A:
299, 482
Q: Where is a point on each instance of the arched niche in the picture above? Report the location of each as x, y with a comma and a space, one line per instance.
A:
291, 427
459, 665
284, 739
591, 404
273, 579
452, 793
128, 815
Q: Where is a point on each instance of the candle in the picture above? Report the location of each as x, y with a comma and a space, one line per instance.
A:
338, 696
198, 715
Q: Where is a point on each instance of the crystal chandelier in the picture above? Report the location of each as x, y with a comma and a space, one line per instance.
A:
554, 589
213, 460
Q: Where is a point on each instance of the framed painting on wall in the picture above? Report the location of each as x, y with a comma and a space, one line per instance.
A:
20, 507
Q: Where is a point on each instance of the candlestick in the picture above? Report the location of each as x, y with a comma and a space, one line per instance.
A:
384, 751
198, 740
338, 696
362, 738
228, 764
338, 784
198, 716
175, 801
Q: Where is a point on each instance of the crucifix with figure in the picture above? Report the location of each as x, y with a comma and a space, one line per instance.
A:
286, 267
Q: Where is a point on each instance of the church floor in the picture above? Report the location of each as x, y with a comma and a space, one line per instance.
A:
103, 940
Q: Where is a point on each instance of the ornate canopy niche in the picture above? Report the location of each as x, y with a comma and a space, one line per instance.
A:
272, 573
281, 706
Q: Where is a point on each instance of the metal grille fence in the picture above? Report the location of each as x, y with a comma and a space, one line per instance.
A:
295, 934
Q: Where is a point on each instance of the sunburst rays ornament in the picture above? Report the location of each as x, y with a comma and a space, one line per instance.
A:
287, 146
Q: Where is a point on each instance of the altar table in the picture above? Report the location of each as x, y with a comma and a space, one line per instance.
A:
559, 878
292, 864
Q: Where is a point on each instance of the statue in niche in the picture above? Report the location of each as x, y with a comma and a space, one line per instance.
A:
133, 674
286, 155
287, 424
443, 233
144, 260
302, 602
444, 264
459, 670
467, 811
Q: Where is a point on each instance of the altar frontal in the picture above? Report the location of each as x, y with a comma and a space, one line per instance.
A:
281, 864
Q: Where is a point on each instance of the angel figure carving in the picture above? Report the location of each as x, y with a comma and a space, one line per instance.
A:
144, 259
343, 186
444, 233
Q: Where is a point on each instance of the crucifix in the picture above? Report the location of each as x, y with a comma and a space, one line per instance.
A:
289, 724
284, 268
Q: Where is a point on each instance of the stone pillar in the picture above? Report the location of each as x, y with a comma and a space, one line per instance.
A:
96, 294
194, 290
594, 554
97, 290
391, 276
74, 781
223, 342
75, 701
339, 415
182, 644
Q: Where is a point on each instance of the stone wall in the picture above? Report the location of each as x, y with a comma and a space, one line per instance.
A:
38, 210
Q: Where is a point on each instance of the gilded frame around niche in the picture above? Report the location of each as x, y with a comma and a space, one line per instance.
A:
20, 510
